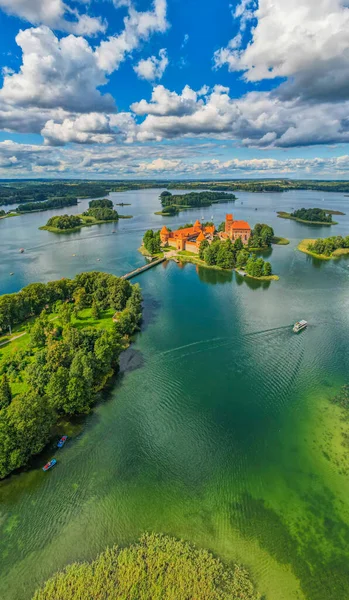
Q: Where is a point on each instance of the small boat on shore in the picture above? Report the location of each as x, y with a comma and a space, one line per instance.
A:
49, 465
62, 441
299, 326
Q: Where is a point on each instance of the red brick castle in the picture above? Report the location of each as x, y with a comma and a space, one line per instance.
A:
190, 238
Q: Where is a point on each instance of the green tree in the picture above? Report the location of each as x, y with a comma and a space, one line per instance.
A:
57, 388
242, 258
267, 271
203, 246
238, 245
95, 311
226, 255
65, 313
5, 392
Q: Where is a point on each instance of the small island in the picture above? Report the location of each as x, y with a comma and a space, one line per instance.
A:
72, 334
311, 216
173, 204
99, 211
232, 246
6, 215
325, 248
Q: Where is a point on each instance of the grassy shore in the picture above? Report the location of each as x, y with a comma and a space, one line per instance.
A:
286, 215
280, 241
303, 247
9, 215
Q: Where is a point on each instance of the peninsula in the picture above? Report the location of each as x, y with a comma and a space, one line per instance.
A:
232, 246
325, 248
76, 331
311, 216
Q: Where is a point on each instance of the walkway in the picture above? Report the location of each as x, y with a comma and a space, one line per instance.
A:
150, 265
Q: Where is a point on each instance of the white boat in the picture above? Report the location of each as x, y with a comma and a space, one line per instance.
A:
299, 326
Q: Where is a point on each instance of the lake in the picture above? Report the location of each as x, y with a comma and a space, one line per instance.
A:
219, 429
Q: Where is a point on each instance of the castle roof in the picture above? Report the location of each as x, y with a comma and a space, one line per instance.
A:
197, 223
229, 217
240, 225
210, 229
164, 230
201, 237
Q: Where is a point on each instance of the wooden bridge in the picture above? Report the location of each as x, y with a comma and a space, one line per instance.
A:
150, 265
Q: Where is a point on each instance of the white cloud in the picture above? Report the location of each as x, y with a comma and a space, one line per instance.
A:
138, 26
160, 164
56, 74
53, 13
91, 128
304, 40
152, 68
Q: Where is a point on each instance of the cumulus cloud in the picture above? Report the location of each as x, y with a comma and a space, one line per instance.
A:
56, 74
53, 13
91, 128
305, 41
260, 119
138, 26
152, 68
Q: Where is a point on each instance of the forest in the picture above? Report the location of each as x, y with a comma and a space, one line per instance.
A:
46, 205
157, 567
66, 361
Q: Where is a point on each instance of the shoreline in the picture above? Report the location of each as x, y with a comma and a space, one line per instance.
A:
195, 260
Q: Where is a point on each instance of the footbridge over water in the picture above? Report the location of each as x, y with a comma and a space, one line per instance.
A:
146, 267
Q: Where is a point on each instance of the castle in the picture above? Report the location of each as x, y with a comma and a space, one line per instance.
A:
190, 238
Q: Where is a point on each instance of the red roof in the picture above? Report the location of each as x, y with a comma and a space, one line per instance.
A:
240, 225
200, 237
164, 230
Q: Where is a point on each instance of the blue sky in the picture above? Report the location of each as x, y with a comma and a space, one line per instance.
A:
174, 88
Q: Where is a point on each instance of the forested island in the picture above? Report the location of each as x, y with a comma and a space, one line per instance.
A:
312, 216
221, 253
173, 204
99, 211
71, 351
155, 567
325, 248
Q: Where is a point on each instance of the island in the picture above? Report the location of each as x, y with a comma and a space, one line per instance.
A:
173, 204
156, 566
74, 332
99, 211
311, 216
232, 246
325, 248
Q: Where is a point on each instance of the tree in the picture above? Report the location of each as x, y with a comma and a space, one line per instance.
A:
38, 332
96, 313
5, 392
238, 245
57, 388
65, 313
242, 258
225, 255
203, 246
267, 271
221, 227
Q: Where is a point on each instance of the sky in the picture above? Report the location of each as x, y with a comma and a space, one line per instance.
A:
174, 89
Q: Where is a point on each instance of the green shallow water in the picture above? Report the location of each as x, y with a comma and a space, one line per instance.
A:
218, 429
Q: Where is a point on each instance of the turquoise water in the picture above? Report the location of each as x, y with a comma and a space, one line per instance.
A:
219, 428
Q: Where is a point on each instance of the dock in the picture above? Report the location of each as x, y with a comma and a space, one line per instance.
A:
140, 270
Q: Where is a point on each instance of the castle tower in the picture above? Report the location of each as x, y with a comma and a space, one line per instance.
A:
197, 224
164, 235
229, 220
200, 239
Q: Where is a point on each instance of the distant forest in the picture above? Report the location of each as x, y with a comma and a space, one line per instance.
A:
29, 191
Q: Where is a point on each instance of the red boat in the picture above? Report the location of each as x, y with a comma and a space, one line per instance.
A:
49, 465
